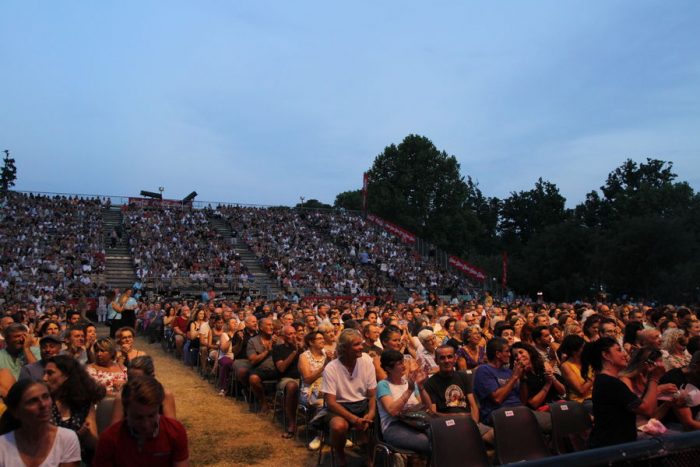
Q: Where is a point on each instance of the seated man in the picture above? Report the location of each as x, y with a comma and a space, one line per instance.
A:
496, 385
144, 437
75, 344
349, 384
451, 392
49, 346
286, 358
262, 365
17, 351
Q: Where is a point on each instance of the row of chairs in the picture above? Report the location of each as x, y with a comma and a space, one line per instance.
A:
456, 440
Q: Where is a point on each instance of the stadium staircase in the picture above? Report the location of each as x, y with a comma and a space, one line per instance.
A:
262, 282
120, 265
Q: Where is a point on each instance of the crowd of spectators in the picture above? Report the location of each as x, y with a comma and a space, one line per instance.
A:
178, 247
337, 253
51, 249
56, 376
360, 360
300, 257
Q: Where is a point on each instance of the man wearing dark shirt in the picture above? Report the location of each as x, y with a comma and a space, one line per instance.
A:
286, 358
450, 391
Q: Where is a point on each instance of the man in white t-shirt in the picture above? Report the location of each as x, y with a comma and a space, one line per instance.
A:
349, 384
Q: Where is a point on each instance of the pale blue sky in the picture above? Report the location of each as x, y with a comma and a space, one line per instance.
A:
262, 102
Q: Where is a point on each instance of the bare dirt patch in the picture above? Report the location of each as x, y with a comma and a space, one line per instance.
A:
221, 431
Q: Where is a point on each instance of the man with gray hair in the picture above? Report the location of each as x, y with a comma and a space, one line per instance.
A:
17, 352
349, 384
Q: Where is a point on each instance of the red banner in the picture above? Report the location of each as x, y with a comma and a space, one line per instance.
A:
142, 202
468, 269
404, 235
365, 181
348, 298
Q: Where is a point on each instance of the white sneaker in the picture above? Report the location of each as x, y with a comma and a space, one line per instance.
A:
348, 443
315, 443
222, 392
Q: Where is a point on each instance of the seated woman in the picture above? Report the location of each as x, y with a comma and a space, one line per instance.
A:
580, 389
127, 351
615, 406
28, 435
74, 395
539, 385
636, 377
311, 365
472, 353
674, 342
143, 366
397, 394
106, 371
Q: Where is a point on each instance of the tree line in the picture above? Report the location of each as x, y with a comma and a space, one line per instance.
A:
636, 237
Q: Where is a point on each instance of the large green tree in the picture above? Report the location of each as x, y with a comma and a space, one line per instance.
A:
526, 213
349, 200
419, 187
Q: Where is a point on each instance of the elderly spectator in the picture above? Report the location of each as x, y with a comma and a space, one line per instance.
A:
259, 353
674, 343
426, 351
682, 414
349, 385
649, 338
17, 351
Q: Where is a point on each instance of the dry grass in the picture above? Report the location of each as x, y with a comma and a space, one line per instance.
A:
221, 431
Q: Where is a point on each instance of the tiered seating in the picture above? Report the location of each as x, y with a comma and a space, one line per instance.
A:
50, 248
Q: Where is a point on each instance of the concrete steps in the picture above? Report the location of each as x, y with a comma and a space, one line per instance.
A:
263, 283
119, 269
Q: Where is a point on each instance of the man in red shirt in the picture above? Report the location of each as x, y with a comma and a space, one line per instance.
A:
144, 437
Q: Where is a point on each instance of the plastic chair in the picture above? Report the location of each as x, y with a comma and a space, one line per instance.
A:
381, 445
571, 426
518, 435
456, 441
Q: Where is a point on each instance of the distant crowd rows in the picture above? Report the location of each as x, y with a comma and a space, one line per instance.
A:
53, 249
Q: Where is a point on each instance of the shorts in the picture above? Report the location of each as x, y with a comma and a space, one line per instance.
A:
265, 374
283, 382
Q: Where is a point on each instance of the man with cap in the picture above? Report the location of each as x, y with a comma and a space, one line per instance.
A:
49, 346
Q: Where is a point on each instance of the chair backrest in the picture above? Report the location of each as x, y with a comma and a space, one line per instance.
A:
518, 435
103, 413
456, 441
571, 426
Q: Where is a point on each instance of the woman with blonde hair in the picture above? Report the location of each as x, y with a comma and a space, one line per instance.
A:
674, 342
